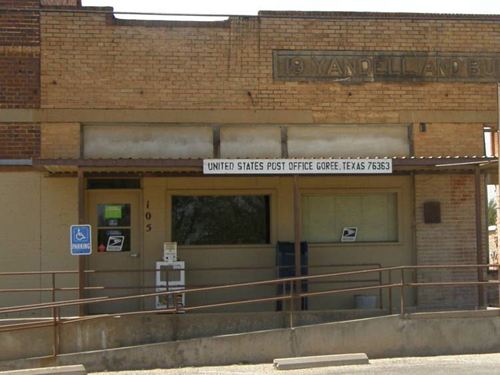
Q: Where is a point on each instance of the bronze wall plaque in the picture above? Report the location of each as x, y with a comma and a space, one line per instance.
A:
355, 67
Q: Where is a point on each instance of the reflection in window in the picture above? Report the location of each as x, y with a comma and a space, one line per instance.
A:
220, 220
374, 214
113, 215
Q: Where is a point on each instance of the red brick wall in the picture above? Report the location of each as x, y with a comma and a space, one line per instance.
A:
19, 55
19, 82
19, 28
453, 241
19, 141
19, 76
65, 3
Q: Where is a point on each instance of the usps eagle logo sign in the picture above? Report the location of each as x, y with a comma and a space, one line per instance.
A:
115, 243
349, 234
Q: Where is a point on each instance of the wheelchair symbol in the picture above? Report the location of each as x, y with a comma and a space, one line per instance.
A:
79, 236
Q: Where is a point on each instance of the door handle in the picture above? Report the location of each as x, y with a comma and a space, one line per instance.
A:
134, 255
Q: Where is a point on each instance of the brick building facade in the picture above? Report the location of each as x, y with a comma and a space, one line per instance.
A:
279, 85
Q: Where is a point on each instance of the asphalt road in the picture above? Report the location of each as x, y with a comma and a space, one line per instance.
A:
457, 365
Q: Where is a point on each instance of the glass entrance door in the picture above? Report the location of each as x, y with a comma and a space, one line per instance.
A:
116, 259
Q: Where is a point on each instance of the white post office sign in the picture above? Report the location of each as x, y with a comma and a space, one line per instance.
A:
296, 166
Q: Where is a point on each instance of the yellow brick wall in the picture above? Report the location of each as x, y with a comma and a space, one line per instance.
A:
90, 62
60, 140
442, 139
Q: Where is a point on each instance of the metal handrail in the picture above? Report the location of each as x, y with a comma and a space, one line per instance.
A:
292, 296
55, 289
36, 273
287, 279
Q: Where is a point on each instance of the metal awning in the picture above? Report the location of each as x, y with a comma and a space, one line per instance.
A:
107, 166
195, 166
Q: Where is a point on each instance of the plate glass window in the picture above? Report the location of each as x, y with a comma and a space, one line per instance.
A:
220, 220
324, 217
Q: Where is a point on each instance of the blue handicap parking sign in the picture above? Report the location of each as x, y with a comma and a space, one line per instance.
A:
81, 240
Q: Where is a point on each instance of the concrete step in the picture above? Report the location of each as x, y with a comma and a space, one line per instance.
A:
131, 330
59, 370
380, 337
321, 361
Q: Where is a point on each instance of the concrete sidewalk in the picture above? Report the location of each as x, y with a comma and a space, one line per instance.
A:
486, 364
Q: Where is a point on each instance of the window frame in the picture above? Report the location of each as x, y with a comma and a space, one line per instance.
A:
272, 193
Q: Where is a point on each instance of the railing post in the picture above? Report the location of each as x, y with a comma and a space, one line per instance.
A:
167, 296
402, 293
291, 304
390, 292
177, 302
53, 287
55, 347
380, 302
